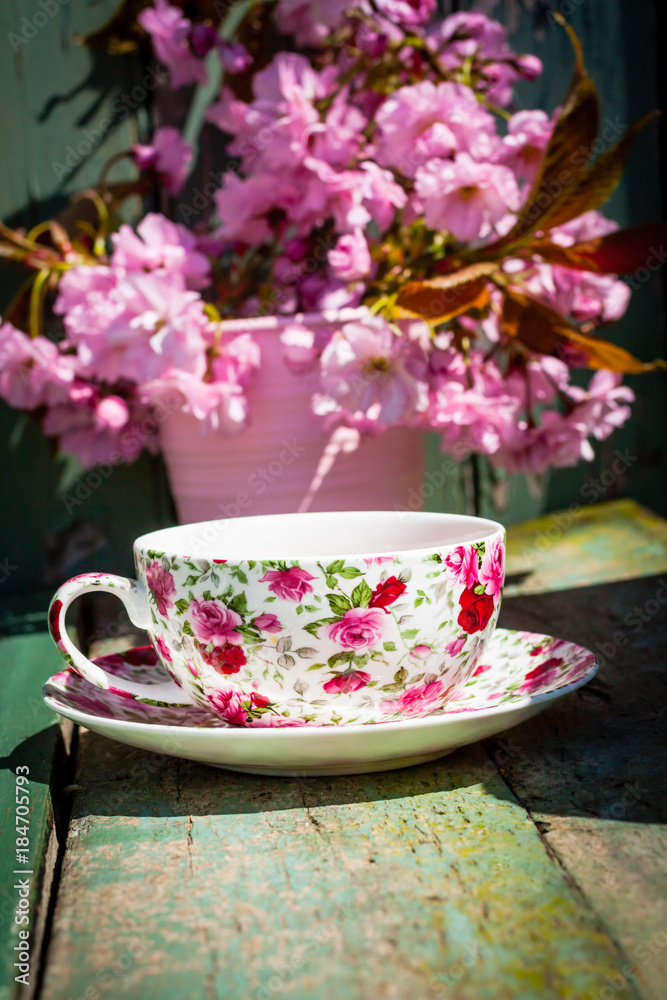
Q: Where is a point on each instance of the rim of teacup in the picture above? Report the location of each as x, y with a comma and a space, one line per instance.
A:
190, 543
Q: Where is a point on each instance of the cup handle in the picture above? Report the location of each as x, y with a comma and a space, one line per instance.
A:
133, 595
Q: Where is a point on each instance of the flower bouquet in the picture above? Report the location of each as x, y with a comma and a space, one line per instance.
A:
419, 254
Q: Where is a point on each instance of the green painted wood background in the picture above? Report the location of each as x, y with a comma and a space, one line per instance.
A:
53, 90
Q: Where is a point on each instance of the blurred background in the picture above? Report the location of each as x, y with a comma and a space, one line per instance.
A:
56, 92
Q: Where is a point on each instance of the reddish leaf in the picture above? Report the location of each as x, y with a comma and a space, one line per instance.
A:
600, 180
441, 299
544, 331
622, 252
567, 154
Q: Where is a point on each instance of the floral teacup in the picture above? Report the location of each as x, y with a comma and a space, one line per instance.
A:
297, 619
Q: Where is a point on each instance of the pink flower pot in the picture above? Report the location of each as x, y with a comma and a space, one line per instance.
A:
284, 461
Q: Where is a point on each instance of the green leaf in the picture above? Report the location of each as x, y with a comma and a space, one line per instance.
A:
361, 659
335, 567
401, 676
410, 633
268, 600
390, 647
391, 687
299, 609
349, 573
312, 627
239, 604
207, 596
191, 580
331, 582
182, 605
339, 603
305, 652
361, 595
252, 563
242, 577
311, 608
345, 657
249, 632
315, 666
187, 628
418, 601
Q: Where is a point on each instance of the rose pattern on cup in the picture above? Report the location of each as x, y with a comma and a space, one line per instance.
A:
354, 625
521, 667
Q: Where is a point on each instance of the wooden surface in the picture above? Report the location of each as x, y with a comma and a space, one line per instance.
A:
529, 868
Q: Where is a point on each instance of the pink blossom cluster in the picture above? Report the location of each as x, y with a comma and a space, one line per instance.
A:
340, 186
138, 344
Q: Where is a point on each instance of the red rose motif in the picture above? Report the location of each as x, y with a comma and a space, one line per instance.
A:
227, 659
541, 668
476, 611
143, 656
258, 700
344, 683
54, 613
387, 592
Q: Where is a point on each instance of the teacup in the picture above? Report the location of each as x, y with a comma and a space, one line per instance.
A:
308, 619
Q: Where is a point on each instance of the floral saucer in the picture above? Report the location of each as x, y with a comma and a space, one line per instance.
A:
523, 674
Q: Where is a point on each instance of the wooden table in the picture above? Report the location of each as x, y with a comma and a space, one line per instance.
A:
532, 866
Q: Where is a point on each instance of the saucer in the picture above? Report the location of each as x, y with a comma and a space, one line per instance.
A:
522, 674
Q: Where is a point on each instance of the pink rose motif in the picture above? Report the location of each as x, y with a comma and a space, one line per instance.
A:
227, 704
213, 622
289, 584
542, 676
268, 623
161, 585
418, 699
358, 628
352, 680
461, 566
492, 570
454, 647
163, 649
421, 652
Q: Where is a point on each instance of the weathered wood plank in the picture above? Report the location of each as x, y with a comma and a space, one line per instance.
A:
593, 770
28, 739
584, 545
182, 881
